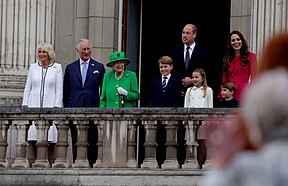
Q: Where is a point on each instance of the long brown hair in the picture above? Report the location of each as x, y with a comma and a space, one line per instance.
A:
230, 52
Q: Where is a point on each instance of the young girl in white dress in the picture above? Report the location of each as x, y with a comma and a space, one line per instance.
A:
199, 96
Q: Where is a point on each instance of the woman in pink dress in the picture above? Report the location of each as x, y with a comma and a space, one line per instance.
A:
240, 65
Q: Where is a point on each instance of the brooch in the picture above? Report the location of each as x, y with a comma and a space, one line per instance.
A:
127, 75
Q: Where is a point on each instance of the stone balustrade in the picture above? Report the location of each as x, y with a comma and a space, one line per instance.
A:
118, 135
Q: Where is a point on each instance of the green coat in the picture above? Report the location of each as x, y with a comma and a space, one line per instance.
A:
110, 98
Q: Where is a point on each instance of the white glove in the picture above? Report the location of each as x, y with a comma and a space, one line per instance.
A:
122, 91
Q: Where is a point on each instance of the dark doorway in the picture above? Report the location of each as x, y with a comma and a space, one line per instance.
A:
162, 24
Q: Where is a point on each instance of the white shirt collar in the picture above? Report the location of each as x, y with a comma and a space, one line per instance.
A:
191, 47
168, 77
81, 61
195, 88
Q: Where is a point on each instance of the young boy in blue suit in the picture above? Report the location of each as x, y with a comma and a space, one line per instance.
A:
170, 94
164, 91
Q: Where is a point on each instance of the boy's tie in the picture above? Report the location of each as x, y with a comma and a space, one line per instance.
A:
164, 84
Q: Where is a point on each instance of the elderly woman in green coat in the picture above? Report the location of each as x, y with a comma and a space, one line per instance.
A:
120, 87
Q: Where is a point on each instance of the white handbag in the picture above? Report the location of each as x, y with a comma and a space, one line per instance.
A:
53, 133
32, 132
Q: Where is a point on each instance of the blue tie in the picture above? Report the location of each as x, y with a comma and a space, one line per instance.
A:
84, 72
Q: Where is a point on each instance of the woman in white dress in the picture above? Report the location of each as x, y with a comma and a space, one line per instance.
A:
44, 89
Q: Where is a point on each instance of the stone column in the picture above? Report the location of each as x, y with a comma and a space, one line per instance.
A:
3, 142
171, 145
21, 144
100, 126
191, 144
23, 25
150, 144
268, 17
62, 145
42, 144
131, 144
81, 160
115, 143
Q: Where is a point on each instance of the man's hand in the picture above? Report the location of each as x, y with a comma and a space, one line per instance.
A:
187, 81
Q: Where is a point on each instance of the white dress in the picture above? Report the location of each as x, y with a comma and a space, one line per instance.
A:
194, 99
44, 88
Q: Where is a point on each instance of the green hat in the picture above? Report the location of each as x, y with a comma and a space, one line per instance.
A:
117, 56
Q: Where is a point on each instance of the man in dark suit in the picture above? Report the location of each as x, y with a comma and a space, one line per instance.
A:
186, 59
82, 83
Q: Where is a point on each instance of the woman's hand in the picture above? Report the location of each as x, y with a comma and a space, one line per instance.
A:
122, 91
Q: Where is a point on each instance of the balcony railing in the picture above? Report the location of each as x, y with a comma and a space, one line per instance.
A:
118, 135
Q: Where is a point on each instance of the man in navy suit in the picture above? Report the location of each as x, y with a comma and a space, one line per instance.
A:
185, 62
198, 57
81, 90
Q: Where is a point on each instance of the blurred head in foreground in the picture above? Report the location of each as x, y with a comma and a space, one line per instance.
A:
265, 107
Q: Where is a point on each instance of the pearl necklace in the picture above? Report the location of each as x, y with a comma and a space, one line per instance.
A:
118, 77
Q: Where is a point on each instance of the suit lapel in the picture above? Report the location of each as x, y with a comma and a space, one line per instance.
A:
91, 68
76, 68
170, 82
159, 84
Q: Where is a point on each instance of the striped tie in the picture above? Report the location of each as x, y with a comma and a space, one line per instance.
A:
164, 84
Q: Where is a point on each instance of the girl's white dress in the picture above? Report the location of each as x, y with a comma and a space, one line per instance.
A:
194, 99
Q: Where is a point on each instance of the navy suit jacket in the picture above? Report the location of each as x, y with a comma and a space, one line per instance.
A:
170, 98
198, 59
76, 95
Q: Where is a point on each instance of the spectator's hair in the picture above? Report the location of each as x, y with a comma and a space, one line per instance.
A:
275, 53
265, 106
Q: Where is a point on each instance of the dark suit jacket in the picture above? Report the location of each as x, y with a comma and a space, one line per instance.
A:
198, 59
170, 98
74, 94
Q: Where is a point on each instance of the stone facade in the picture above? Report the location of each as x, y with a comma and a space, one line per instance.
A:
64, 22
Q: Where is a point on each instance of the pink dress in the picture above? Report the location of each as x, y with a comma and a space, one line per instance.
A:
240, 75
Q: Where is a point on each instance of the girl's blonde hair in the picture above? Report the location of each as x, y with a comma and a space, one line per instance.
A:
203, 74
